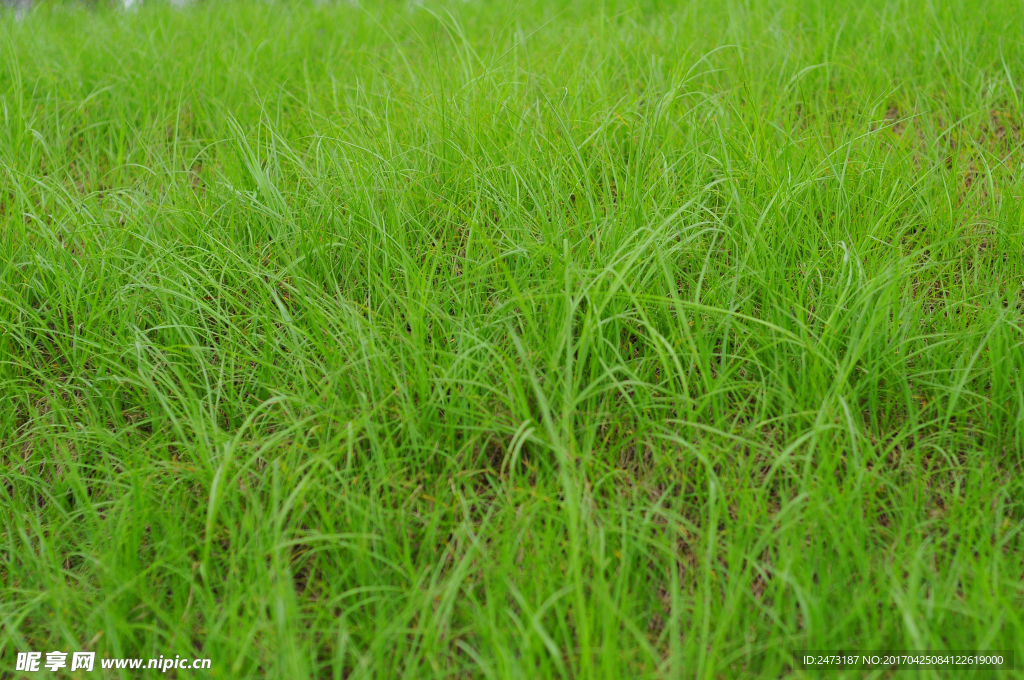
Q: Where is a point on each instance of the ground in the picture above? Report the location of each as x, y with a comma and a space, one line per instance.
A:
589, 339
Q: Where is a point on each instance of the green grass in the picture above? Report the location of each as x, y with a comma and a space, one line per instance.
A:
604, 339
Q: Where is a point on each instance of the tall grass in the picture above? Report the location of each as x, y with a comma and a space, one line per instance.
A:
591, 339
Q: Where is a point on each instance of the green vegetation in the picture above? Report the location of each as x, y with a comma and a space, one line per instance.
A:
603, 339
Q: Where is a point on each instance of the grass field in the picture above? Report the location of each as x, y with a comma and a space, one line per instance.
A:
590, 339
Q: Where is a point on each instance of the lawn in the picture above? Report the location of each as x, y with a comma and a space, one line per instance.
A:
546, 339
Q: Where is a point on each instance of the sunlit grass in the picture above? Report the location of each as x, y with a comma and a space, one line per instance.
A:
592, 339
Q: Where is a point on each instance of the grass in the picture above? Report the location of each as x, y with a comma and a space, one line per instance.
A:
603, 339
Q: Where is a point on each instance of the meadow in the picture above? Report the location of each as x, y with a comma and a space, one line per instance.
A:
544, 339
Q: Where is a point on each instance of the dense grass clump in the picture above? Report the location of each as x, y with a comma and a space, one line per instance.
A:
604, 339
